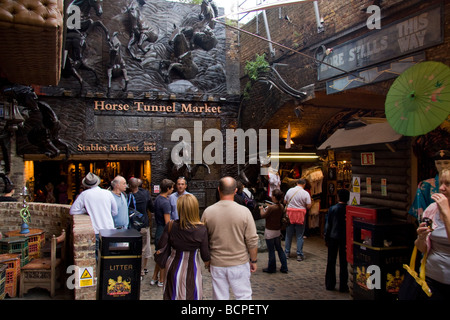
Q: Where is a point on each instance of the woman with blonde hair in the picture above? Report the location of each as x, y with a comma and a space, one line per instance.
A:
188, 239
434, 239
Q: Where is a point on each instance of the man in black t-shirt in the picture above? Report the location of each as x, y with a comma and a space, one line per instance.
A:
141, 200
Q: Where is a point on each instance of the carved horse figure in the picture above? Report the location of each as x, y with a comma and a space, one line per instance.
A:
116, 65
45, 126
76, 40
182, 167
45, 135
140, 32
208, 12
185, 67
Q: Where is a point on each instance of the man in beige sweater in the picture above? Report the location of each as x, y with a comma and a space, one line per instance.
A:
233, 244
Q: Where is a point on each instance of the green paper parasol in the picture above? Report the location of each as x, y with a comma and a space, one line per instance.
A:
419, 99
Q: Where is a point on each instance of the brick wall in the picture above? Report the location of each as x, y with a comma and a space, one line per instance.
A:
80, 249
47, 216
343, 21
84, 253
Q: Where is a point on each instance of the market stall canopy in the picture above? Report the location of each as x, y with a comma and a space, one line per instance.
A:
365, 135
32, 40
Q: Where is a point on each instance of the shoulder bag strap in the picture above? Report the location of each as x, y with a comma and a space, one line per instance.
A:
292, 197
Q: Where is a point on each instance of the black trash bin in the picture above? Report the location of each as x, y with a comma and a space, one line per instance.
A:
119, 266
388, 247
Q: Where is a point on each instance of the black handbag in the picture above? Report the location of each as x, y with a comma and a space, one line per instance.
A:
414, 286
284, 218
163, 253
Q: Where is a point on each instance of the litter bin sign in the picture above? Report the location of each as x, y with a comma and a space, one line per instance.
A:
120, 264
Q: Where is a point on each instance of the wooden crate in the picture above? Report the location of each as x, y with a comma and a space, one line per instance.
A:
16, 245
3, 268
36, 241
12, 260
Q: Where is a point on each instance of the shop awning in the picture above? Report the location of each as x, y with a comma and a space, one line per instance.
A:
365, 135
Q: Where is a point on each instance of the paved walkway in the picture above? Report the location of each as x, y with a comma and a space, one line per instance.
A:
304, 281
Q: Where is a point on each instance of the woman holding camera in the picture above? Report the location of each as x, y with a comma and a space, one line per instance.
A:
434, 239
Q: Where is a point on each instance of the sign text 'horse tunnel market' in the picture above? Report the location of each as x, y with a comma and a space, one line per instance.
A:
140, 106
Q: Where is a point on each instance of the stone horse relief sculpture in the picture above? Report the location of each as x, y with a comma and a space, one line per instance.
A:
197, 35
116, 65
208, 13
140, 32
188, 58
182, 167
75, 43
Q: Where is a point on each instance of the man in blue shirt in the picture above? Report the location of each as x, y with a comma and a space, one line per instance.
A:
119, 186
181, 189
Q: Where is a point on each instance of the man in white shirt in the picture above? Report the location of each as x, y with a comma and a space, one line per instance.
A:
98, 203
298, 201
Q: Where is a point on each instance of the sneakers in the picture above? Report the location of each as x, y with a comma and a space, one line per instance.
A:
300, 258
159, 283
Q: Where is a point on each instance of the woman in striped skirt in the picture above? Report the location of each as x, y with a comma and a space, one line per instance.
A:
189, 241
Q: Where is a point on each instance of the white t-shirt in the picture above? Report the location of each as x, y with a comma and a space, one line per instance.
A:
99, 204
300, 198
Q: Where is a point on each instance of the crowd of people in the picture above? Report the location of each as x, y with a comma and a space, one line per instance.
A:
225, 236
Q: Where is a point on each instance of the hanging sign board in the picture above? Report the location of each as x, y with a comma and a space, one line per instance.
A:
368, 158
383, 187
412, 34
369, 185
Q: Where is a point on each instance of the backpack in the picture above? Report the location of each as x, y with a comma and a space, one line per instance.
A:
138, 220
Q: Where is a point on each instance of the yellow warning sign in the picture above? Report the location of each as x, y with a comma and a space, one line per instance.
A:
86, 279
85, 274
356, 184
355, 198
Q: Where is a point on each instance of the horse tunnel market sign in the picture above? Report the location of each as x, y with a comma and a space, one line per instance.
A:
142, 107
129, 111
406, 36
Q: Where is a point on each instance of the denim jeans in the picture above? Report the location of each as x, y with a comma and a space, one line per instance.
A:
272, 245
299, 229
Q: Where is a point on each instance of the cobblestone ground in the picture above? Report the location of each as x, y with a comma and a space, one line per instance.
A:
304, 281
